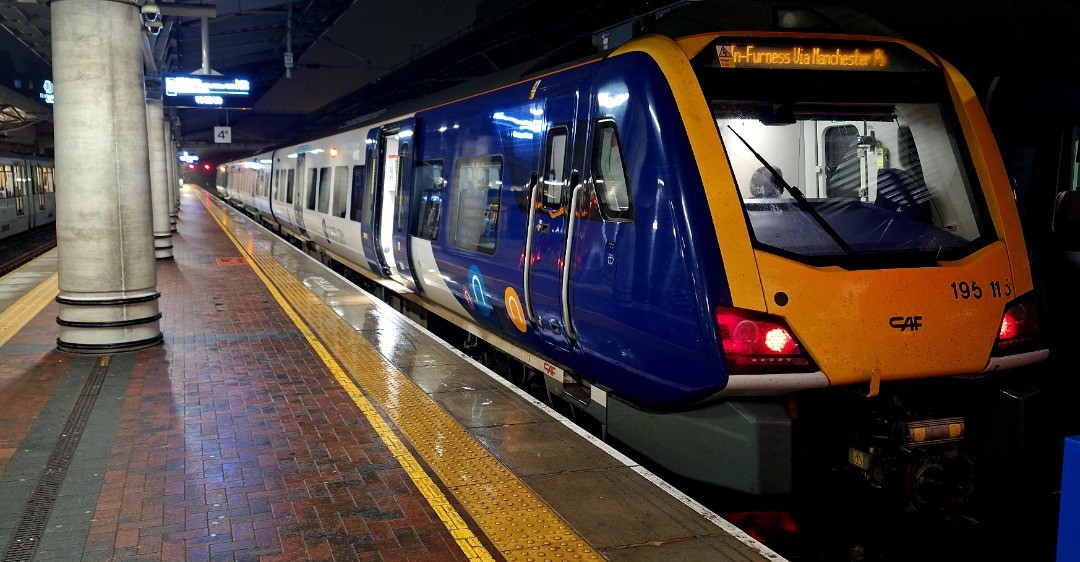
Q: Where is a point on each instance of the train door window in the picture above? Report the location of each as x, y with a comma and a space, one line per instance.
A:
609, 174
290, 175
47, 183
263, 186
324, 190
21, 184
357, 189
312, 186
39, 186
7, 182
556, 169
341, 185
429, 183
369, 194
400, 204
840, 145
475, 199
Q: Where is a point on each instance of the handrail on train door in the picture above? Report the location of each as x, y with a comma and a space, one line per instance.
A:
533, 202
575, 200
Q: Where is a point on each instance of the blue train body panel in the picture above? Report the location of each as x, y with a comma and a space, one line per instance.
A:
648, 279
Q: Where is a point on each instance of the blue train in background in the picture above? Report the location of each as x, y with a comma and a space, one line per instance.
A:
764, 256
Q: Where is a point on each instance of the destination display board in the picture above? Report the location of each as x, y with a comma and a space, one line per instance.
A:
205, 91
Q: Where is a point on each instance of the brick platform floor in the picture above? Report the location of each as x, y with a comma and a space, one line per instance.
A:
233, 443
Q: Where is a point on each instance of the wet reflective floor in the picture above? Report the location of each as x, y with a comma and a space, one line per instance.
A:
291, 416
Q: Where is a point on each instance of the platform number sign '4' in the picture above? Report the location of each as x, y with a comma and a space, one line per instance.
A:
223, 135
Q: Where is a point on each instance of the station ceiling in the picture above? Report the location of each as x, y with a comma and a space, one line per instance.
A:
351, 57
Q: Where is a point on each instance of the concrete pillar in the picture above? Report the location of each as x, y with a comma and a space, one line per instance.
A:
104, 229
174, 175
160, 194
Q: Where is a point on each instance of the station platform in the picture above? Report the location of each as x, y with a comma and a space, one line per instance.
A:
291, 416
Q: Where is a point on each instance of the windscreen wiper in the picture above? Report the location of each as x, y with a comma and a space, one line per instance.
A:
799, 198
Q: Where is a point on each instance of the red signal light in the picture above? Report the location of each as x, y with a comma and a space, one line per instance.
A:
757, 343
1008, 327
191, 166
206, 167
1019, 328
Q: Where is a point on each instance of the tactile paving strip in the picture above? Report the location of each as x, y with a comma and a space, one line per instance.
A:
519, 524
16, 316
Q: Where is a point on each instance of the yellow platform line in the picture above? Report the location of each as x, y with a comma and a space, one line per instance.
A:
515, 520
26, 308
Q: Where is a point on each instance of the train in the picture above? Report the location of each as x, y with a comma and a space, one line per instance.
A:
781, 250
27, 193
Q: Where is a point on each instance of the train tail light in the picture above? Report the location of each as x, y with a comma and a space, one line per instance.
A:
759, 343
1019, 329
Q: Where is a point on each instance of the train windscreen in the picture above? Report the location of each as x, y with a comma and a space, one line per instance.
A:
845, 164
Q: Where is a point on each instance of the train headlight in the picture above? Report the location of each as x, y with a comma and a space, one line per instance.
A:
759, 343
1019, 328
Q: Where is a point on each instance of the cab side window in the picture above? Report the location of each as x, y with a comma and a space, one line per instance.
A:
609, 174
556, 170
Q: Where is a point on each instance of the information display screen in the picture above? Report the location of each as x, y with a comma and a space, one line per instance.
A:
205, 91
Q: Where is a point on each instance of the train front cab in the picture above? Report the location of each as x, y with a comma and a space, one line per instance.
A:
879, 282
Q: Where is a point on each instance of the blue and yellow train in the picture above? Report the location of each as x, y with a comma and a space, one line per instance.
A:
744, 252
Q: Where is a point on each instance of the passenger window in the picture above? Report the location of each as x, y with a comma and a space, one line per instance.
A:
475, 194
357, 192
324, 190
609, 175
312, 186
555, 169
341, 194
429, 188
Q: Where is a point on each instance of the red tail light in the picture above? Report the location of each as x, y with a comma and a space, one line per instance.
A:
759, 343
1019, 329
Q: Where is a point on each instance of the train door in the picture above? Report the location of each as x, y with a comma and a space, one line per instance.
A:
386, 210
22, 188
403, 208
546, 270
48, 193
301, 191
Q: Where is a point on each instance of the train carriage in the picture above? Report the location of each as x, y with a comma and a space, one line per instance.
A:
27, 193
740, 251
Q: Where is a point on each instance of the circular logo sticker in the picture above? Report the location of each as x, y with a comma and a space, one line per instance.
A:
479, 292
514, 309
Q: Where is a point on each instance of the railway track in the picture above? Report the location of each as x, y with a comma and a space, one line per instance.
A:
21, 248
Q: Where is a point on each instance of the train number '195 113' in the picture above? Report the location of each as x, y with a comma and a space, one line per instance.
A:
972, 290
